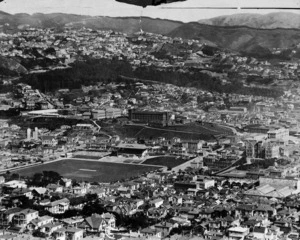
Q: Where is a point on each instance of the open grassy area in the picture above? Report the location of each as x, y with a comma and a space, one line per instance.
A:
87, 157
191, 131
90, 170
205, 128
168, 161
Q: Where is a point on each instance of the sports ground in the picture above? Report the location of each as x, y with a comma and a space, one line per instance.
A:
168, 161
93, 171
190, 131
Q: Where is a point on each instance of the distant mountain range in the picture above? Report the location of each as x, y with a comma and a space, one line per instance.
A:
267, 21
60, 20
243, 39
258, 35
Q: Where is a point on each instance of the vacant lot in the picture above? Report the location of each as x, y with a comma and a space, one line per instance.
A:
167, 161
90, 170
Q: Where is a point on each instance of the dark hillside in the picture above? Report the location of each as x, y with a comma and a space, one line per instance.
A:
243, 39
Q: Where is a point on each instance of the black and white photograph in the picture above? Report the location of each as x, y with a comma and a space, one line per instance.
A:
149, 120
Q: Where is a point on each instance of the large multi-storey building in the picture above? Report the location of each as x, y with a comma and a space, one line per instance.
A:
113, 112
272, 151
6, 216
98, 114
58, 206
106, 113
257, 128
21, 219
216, 162
192, 146
157, 118
278, 133
254, 148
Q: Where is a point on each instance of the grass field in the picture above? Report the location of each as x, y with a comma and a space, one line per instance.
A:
167, 161
87, 157
90, 170
191, 131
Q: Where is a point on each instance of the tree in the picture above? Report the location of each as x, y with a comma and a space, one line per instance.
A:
75, 183
71, 213
51, 177
184, 98
93, 207
26, 202
37, 179
177, 230
14, 176
91, 197
45, 178
136, 221
55, 198
39, 234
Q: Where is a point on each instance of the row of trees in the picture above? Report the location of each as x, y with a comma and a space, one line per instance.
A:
44, 178
263, 164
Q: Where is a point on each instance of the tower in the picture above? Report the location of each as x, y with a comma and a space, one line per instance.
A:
28, 134
141, 26
36, 134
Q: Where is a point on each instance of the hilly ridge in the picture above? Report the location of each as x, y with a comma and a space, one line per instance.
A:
2, 14
239, 38
262, 21
128, 24
60, 20
257, 42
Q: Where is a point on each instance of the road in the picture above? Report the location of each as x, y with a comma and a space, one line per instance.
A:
183, 166
43, 97
97, 125
231, 128
13, 79
99, 128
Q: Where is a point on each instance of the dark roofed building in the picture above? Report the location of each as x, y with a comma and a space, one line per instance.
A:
153, 118
98, 223
7, 216
139, 150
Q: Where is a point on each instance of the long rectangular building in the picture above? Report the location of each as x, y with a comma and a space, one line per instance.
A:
157, 118
106, 113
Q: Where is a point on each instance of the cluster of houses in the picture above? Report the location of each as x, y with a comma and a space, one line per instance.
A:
185, 203
16, 219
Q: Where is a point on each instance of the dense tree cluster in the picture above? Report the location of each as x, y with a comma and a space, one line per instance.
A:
45, 178
259, 79
264, 164
91, 71
7, 72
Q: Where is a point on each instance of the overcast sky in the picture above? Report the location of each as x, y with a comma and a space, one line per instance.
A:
182, 11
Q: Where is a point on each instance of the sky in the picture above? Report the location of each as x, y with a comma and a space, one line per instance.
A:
181, 11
